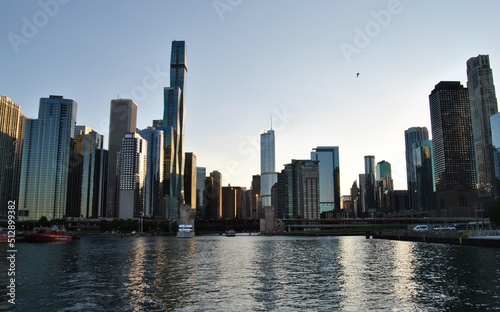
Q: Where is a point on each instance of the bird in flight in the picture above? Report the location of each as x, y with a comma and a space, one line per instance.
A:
357, 75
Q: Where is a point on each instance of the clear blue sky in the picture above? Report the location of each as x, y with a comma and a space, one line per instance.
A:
250, 61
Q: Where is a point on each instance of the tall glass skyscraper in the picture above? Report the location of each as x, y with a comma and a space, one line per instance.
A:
453, 148
329, 177
173, 126
495, 140
483, 104
268, 174
369, 192
153, 193
12, 124
90, 196
122, 119
414, 137
45, 160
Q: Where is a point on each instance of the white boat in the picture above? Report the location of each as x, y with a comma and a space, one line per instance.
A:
185, 231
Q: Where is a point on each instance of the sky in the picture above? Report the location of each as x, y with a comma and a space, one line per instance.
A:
252, 64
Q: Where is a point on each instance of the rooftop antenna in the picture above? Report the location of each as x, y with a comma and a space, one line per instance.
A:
271, 122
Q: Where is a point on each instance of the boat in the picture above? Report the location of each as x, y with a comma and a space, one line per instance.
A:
230, 233
3, 239
45, 234
185, 231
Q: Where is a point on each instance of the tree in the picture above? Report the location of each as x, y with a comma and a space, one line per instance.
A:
494, 211
43, 221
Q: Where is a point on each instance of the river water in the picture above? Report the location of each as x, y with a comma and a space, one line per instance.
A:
251, 273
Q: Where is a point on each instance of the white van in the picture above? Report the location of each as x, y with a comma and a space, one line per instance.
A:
421, 228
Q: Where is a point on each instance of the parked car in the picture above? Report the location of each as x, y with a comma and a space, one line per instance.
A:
421, 228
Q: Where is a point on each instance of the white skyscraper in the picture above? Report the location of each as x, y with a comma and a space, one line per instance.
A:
268, 173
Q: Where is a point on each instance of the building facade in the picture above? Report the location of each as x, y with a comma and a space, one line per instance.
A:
132, 176
45, 160
299, 190
268, 174
495, 141
424, 176
369, 186
414, 137
122, 119
483, 104
329, 177
201, 174
453, 149
91, 158
154, 205
190, 180
12, 124
173, 126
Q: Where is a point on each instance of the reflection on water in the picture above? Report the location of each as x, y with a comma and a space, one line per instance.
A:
251, 273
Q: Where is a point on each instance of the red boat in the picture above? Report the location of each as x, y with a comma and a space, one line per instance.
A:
3, 239
44, 235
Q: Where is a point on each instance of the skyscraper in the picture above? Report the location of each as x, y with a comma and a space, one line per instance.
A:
453, 148
369, 193
132, 177
190, 180
383, 176
299, 190
329, 177
424, 174
122, 119
483, 104
201, 174
90, 196
173, 126
414, 137
153, 195
45, 160
268, 174
12, 124
495, 140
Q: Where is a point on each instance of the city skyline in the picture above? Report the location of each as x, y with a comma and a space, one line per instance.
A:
230, 101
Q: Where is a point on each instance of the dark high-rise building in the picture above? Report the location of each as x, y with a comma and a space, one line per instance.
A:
122, 119
46, 164
190, 179
453, 148
329, 177
173, 126
12, 124
153, 202
495, 141
424, 174
369, 185
215, 194
384, 185
414, 137
483, 104
88, 173
298, 190
232, 201
201, 174
256, 204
